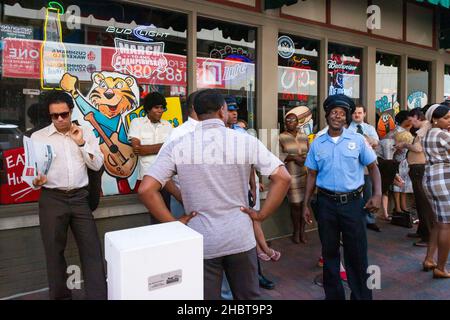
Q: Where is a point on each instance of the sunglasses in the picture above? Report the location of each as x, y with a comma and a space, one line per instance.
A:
64, 115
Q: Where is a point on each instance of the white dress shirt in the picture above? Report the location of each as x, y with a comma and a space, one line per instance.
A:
148, 133
367, 129
69, 167
185, 128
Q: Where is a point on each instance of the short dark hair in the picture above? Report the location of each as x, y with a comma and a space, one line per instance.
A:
401, 116
440, 111
58, 96
417, 112
208, 101
190, 102
154, 99
361, 106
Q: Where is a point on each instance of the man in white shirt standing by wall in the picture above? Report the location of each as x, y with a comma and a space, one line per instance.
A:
176, 206
148, 134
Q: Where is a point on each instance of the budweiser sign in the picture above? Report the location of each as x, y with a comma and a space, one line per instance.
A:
332, 65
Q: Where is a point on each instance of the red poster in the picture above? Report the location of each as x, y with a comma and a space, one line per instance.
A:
12, 189
173, 74
21, 58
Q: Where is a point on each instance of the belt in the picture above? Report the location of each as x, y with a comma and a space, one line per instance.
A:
68, 192
342, 197
416, 165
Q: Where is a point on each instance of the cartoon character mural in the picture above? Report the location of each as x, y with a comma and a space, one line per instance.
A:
112, 97
387, 108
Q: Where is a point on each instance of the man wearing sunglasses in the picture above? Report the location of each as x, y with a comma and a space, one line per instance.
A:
148, 134
64, 199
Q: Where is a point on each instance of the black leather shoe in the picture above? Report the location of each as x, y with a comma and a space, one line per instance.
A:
374, 227
265, 283
413, 235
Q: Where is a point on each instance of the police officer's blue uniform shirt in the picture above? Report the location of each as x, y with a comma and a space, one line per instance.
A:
340, 166
238, 128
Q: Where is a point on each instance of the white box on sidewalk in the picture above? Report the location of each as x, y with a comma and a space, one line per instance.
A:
157, 262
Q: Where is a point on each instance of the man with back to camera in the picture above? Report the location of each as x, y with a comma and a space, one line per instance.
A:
336, 162
232, 123
176, 206
218, 210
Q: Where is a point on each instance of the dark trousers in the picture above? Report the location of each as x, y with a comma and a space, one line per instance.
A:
241, 271
367, 194
58, 211
348, 219
424, 211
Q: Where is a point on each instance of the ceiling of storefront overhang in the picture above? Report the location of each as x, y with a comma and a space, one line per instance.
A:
442, 3
108, 11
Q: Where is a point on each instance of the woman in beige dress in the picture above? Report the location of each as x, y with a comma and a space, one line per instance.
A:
294, 147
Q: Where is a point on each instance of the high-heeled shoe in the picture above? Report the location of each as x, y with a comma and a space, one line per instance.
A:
428, 266
439, 274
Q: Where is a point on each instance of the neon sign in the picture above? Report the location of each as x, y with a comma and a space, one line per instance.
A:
332, 65
53, 52
145, 33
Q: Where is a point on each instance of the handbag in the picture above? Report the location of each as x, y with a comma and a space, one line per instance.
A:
94, 187
402, 219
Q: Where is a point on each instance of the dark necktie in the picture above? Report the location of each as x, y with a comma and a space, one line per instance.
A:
359, 129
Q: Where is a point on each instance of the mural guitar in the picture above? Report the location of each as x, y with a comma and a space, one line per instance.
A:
111, 98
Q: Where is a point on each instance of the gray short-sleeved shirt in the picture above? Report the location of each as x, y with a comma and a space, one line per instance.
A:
213, 164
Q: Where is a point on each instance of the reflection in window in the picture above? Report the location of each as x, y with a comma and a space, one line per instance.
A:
107, 55
344, 71
226, 55
84, 38
298, 66
447, 82
418, 83
387, 83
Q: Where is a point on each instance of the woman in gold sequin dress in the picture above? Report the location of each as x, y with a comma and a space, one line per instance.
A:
294, 147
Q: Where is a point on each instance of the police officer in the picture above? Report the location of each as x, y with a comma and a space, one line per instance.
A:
335, 163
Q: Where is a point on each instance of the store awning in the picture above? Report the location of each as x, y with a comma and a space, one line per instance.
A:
443, 3
275, 4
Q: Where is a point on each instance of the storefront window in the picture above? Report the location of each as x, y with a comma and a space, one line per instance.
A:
226, 57
387, 84
109, 53
447, 82
344, 71
298, 66
418, 83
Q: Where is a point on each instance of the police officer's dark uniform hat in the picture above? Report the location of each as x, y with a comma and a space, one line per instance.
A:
339, 100
231, 103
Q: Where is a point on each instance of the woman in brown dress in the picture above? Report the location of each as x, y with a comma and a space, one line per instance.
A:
294, 147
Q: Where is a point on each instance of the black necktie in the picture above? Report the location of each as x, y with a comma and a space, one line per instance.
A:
359, 129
